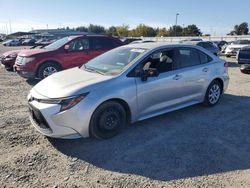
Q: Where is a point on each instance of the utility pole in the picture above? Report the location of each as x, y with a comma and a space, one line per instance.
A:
176, 19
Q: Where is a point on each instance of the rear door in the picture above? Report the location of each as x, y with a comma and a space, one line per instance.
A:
99, 45
78, 53
193, 67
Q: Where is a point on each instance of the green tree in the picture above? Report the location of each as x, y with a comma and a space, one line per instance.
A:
191, 30
162, 32
123, 30
96, 28
82, 29
112, 31
143, 30
176, 29
241, 29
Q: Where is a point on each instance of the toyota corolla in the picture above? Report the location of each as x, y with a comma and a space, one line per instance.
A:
125, 85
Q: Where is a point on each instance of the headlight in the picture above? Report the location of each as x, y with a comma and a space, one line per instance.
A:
24, 60
66, 103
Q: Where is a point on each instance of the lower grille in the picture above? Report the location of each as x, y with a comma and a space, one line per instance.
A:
38, 118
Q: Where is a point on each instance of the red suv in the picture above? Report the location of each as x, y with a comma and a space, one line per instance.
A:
62, 54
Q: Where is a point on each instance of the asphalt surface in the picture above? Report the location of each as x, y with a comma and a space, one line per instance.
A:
193, 147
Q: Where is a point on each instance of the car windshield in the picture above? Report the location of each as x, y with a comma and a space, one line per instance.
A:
114, 61
57, 44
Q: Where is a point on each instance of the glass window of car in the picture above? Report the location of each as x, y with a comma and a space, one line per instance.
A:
163, 61
204, 58
79, 45
57, 44
187, 57
102, 43
113, 62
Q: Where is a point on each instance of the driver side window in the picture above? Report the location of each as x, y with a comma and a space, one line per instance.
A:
163, 61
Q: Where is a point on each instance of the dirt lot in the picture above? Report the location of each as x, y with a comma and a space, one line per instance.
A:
193, 147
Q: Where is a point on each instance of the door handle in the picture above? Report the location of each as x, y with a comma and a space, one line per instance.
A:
205, 70
177, 77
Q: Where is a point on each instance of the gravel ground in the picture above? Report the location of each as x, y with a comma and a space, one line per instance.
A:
193, 147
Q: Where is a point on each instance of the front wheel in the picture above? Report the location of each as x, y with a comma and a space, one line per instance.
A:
107, 120
213, 93
48, 69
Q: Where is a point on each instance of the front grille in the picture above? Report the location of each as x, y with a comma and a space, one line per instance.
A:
38, 118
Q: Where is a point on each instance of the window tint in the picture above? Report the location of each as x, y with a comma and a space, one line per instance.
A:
102, 43
163, 61
79, 45
187, 57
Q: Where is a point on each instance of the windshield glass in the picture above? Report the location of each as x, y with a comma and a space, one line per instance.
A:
114, 61
57, 44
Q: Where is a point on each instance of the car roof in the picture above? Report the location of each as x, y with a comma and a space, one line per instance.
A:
153, 45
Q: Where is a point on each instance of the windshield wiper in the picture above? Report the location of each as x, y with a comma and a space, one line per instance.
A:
93, 70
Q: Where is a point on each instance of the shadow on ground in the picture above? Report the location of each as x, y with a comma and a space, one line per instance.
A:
191, 142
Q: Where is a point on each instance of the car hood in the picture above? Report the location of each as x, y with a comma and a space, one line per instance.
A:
237, 45
11, 52
32, 52
68, 83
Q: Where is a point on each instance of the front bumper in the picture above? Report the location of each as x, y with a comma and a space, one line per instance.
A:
70, 124
23, 73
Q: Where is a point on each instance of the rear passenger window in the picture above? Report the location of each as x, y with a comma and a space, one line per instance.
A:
187, 57
102, 43
204, 58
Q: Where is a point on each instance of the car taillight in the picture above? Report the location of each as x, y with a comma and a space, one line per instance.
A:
226, 64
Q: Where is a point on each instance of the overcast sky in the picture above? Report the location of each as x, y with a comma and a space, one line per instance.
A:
216, 17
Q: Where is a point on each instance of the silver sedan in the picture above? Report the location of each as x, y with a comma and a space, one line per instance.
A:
125, 85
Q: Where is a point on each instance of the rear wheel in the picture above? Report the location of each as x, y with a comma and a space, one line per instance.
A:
213, 93
107, 120
48, 69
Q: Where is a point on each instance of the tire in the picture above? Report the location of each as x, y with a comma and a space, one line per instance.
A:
107, 120
213, 93
47, 69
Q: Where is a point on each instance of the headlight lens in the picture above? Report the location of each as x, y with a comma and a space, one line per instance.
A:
23, 60
66, 103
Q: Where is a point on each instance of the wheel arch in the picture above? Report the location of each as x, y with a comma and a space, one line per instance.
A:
48, 61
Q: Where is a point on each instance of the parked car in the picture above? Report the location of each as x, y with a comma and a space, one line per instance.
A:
245, 68
65, 53
125, 85
8, 59
207, 45
243, 55
233, 48
29, 42
12, 42
220, 44
130, 40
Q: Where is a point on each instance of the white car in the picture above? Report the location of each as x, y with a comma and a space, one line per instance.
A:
12, 42
233, 48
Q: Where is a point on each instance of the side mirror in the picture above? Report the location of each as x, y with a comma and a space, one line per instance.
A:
150, 72
66, 47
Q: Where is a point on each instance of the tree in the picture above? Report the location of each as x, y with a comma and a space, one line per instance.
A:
82, 29
112, 31
162, 32
123, 30
179, 31
96, 29
191, 30
241, 29
143, 30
